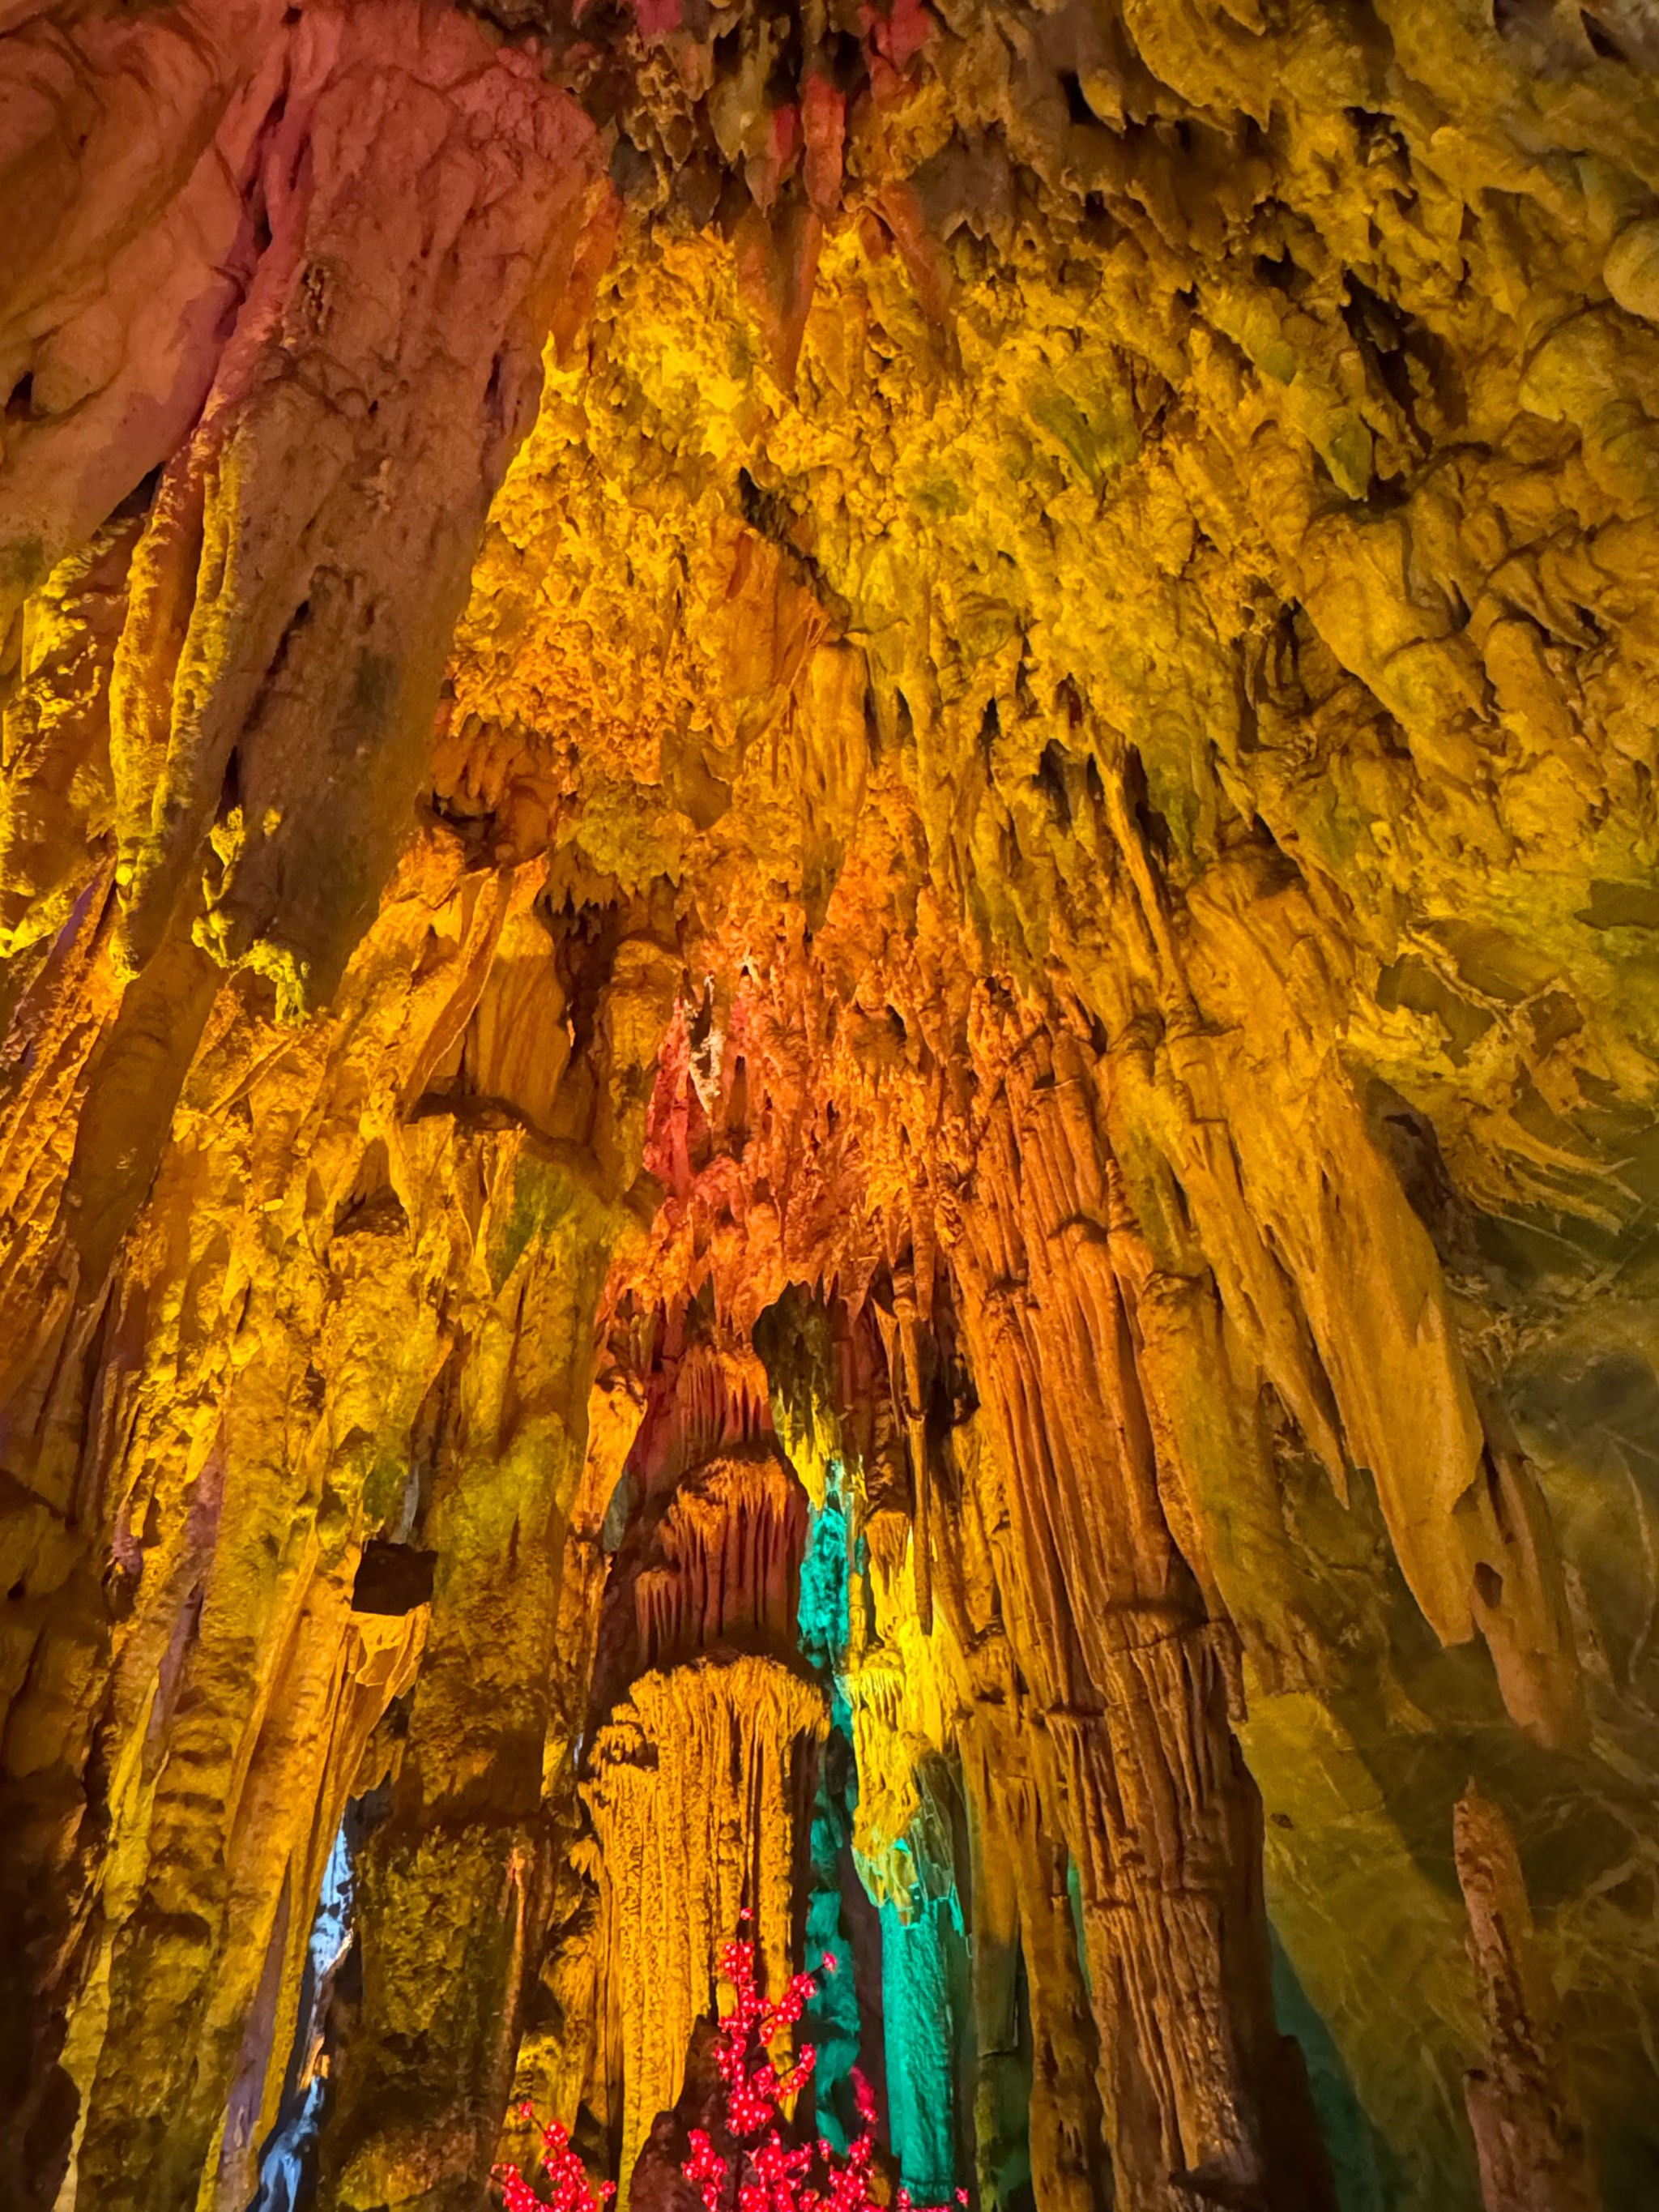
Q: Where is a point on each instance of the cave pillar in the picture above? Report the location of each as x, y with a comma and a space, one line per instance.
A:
452, 1885
455, 1884
1023, 1917
556, 2057
191, 1724
1128, 1674
259, 1631
919, 2027
1195, 2079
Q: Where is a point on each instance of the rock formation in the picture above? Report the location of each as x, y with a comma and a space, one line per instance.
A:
828, 887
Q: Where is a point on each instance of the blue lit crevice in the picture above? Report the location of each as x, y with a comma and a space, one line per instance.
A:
288, 2165
922, 1940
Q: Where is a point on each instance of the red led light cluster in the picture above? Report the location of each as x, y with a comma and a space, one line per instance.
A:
772, 2176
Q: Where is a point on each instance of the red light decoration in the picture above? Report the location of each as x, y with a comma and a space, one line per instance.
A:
771, 2175
567, 2176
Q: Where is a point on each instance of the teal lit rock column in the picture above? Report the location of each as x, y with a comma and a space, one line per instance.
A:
832, 2020
919, 2017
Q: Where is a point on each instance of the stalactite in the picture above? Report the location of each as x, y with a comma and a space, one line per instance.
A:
714, 1401
701, 1791
724, 1565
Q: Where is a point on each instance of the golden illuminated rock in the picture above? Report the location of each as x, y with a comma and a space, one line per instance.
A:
696, 1789
828, 891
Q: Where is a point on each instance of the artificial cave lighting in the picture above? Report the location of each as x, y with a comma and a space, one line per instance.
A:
828, 932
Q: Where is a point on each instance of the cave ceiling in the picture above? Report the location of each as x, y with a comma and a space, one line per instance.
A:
828, 893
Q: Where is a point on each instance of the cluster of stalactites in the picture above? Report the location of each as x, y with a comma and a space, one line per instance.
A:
725, 1567
715, 1402
700, 1776
697, 1783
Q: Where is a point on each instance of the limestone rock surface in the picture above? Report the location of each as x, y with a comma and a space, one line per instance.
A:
829, 914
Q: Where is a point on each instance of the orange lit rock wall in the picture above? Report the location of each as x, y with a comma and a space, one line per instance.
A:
841, 807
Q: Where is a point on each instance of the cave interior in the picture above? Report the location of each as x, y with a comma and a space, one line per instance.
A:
828, 1048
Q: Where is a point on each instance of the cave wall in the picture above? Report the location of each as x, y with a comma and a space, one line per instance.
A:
945, 710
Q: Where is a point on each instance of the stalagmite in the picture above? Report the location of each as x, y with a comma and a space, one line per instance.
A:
1531, 2149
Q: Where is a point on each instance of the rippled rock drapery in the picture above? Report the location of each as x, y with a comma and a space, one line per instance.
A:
696, 1793
1020, 841
706, 1725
